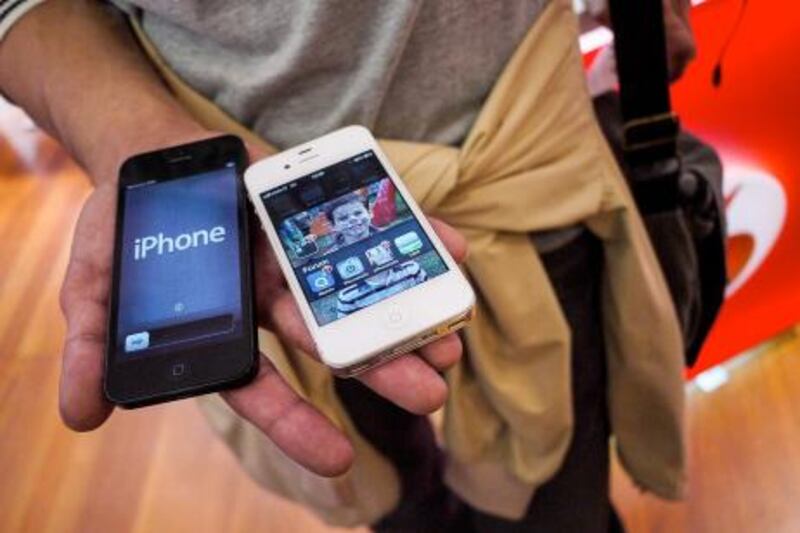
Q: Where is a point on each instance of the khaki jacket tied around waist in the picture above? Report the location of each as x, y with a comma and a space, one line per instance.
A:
534, 160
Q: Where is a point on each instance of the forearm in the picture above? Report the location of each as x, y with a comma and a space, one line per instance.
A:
75, 68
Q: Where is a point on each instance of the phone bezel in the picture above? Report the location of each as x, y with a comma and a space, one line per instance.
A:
147, 379
361, 336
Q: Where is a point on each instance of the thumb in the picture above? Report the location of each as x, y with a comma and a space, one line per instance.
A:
257, 150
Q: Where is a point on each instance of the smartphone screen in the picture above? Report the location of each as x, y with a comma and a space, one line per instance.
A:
181, 318
350, 237
180, 273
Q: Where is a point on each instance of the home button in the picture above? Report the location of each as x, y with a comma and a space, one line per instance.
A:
394, 316
178, 370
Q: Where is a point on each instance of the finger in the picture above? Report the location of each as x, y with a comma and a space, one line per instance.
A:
294, 425
255, 151
270, 288
455, 243
409, 382
287, 322
442, 353
83, 298
81, 401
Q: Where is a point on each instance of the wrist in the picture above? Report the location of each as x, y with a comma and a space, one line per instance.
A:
142, 135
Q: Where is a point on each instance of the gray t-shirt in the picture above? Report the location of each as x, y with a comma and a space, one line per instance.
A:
406, 69
293, 70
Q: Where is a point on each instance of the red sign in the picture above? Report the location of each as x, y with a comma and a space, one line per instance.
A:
753, 120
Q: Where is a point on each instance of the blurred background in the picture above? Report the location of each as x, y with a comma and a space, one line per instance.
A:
161, 469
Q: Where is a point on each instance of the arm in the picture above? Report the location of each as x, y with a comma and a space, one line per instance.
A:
77, 71
75, 68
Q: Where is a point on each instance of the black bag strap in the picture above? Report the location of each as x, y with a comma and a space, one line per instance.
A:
650, 128
649, 149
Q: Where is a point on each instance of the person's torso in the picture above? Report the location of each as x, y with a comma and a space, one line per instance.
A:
407, 69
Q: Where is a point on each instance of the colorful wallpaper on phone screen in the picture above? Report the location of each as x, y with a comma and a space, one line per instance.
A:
351, 237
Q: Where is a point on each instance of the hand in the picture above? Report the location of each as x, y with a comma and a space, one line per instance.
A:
681, 46
268, 402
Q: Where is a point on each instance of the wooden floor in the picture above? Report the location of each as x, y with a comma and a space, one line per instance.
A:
161, 469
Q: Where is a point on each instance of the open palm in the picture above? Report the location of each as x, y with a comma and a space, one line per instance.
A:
411, 381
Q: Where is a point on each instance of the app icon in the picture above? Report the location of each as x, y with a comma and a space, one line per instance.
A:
380, 255
307, 247
350, 267
408, 243
137, 341
319, 280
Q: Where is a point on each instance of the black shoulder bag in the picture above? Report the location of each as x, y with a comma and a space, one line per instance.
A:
675, 178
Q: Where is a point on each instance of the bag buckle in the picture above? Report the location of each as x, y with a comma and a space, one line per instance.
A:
650, 132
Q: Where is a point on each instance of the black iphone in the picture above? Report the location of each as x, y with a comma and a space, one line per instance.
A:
181, 319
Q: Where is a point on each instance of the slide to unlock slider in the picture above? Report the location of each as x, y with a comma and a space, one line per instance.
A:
137, 341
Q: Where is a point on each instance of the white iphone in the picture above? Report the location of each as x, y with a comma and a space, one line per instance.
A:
371, 278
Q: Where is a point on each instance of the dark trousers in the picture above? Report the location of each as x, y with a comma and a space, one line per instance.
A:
576, 499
